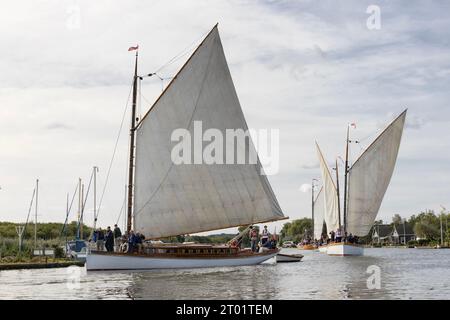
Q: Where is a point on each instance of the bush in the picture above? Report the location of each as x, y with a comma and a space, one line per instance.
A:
412, 243
423, 242
58, 251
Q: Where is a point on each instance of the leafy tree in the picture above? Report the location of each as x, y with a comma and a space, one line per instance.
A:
45, 231
297, 229
426, 225
397, 219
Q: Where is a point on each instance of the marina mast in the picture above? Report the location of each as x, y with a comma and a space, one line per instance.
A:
36, 214
312, 207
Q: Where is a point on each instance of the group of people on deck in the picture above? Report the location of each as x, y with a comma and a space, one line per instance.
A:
340, 236
334, 237
115, 241
265, 240
104, 239
112, 240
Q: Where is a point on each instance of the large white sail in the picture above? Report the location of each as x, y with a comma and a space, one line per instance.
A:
174, 199
369, 178
319, 212
331, 214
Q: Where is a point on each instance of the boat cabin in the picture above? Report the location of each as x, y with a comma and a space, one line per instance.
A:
190, 250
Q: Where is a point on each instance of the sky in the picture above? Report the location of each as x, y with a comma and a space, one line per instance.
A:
307, 68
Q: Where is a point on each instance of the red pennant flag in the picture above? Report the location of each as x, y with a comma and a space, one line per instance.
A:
133, 48
353, 125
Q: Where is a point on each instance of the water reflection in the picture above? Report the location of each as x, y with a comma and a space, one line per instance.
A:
405, 274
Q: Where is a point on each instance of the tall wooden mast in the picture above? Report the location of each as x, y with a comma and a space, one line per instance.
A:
132, 149
338, 194
346, 178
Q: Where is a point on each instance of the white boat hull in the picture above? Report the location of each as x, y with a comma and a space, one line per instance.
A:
323, 249
344, 249
129, 262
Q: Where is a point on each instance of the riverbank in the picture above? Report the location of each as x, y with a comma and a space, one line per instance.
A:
406, 247
39, 265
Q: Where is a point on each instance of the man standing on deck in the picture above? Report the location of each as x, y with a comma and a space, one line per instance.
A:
338, 235
264, 236
100, 240
332, 234
117, 237
109, 243
253, 238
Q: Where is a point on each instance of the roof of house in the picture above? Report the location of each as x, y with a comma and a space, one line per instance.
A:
383, 230
408, 230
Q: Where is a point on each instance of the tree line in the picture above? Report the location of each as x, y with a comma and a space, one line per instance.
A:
45, 231
426, 225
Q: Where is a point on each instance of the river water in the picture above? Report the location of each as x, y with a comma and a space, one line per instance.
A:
403, 274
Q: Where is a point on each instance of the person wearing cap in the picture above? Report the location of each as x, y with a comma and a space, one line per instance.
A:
264, 236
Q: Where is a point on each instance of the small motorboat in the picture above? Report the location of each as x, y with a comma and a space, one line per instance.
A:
306, 246
281, 257
76, 249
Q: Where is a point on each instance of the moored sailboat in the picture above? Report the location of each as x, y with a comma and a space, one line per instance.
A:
319, 211
168, 199
329, 199
317, 219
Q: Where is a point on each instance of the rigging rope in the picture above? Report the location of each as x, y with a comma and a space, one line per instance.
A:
113, 156
29, 210
122, 209
84, 204
182, 53
69, 210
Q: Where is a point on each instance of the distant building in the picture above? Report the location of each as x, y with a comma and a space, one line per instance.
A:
402, 233
392, 234
381, 233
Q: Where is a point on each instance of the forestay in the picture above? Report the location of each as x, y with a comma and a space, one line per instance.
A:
331, 214
369, 178
173, 199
